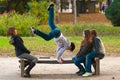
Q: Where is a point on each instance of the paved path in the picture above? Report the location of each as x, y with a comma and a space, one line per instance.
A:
9, 70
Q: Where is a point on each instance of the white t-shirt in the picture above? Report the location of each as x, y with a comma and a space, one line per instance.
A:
63, 44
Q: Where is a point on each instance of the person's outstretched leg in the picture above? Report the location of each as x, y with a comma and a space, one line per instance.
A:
55, 32
41, 34
44, 36
51, 17
54, 28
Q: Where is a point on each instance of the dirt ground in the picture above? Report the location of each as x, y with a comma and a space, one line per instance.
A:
9, 70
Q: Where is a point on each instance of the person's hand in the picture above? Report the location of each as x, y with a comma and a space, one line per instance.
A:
11, 41
60, 61
96, 58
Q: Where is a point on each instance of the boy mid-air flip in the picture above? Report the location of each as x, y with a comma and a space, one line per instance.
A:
62, 42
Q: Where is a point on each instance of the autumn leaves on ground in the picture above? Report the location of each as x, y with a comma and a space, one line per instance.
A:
90, 18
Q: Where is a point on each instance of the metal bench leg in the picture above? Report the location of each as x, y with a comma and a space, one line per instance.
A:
22, 67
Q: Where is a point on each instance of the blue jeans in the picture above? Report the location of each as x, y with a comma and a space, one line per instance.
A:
55, 32
78, 61
89, 57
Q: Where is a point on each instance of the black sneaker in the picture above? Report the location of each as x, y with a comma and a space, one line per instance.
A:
27, 75
32, 31
80, 73
77, 72
50, 6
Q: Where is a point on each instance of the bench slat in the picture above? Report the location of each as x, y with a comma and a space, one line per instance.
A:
54, 61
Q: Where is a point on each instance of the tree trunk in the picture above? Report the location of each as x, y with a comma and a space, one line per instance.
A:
57, 12
75, 12
61, 2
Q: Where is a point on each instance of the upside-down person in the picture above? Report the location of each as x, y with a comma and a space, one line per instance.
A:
62, 42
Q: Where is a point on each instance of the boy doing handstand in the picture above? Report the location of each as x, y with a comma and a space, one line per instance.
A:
62, 42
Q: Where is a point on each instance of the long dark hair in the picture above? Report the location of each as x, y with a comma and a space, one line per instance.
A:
94, 32
87, 39
11, 31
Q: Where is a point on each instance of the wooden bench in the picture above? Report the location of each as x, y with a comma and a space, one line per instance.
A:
96, 64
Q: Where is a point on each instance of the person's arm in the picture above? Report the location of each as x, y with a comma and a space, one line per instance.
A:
64, 44
79, 52
85, 50
98, 45
60, 52
11, 41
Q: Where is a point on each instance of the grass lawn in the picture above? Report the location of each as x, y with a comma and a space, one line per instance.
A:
39, 46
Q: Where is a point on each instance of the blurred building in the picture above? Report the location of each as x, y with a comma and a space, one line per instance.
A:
83, 6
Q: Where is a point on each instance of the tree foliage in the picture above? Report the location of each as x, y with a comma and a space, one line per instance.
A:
113, 12
39, 9
19, 6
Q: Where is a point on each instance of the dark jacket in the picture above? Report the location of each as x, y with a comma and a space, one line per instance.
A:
98, 47
17, 42
84, 50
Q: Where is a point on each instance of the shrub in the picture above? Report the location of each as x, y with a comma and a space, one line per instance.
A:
78, 30
39, 9
21, 22
113, 12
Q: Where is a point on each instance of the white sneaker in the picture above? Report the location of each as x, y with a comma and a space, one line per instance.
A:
87, 74
32, 31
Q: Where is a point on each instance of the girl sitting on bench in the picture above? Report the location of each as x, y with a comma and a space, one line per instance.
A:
21, 51
98, 51
85, 47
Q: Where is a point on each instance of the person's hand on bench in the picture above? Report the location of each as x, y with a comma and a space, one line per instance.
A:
96, 58
60, 61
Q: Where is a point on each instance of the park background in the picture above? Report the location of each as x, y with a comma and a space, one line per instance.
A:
24, 14
72, 17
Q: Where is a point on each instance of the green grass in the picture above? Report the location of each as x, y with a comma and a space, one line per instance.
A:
39, 46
